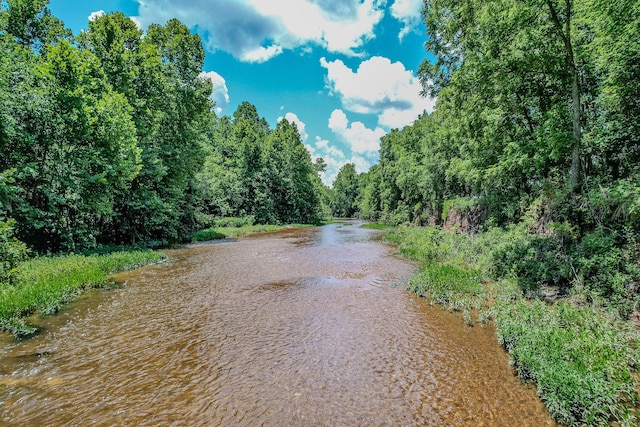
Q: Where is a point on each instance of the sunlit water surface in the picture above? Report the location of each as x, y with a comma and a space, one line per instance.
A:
304, 327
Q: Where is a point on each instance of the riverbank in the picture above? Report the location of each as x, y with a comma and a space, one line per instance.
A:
582, 356
43, 285
216, 233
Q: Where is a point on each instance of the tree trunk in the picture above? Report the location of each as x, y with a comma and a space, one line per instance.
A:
565, 33
575, 174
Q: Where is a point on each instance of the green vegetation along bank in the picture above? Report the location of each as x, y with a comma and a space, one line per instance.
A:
236, 227
582, 356
44, 284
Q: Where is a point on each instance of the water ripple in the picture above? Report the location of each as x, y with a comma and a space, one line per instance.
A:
298, 328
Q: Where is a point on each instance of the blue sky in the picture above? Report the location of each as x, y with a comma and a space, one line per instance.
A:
342, 70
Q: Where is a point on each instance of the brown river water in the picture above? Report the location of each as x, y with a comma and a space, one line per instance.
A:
303, 327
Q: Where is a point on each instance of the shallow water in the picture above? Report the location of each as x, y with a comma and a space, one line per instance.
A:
304, 327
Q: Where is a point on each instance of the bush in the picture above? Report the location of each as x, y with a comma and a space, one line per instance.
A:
533, 260
12, 251
600, 263
208, 234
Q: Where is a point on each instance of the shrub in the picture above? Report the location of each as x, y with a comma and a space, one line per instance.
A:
12, 250
599, 263
533, 260
208, 234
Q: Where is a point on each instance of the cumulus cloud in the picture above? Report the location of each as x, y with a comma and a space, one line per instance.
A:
95, 15
409, 12
293, 118
137, 22
333, 157
258, 30
380, 87
361, 164
356, 135
220, 93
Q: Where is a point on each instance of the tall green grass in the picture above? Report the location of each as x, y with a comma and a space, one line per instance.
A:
45, 284
583, 360
580, 360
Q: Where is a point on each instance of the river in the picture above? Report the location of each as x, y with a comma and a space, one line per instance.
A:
303, 327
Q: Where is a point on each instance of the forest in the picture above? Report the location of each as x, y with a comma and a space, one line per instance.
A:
536, 130
109, 138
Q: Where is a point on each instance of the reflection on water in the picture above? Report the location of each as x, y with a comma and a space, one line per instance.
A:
301, 327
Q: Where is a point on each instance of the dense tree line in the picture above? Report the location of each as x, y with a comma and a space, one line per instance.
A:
108, 137
537, 109
537, 124
253, 170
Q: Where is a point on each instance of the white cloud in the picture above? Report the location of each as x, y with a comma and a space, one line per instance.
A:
261, 54
380, 87
335, 159
136, 21
220, 93
362, 164
332, 156
409, 12
356, 135
293, 118
258, 30
95, 15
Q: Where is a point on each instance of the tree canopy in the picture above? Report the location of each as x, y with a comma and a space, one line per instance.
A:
536, 112
109, 137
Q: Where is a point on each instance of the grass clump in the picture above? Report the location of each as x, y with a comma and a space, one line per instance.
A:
44, 284
446, 284
208, 234
579, 359
215, 233
376, 226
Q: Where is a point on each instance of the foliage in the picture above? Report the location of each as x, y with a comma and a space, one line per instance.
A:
12, 251
111, 139
344, 192
534, 260
579, 359
208, 234
234, 222
530, 107
251, 170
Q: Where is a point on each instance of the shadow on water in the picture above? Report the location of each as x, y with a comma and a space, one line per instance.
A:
300, 327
